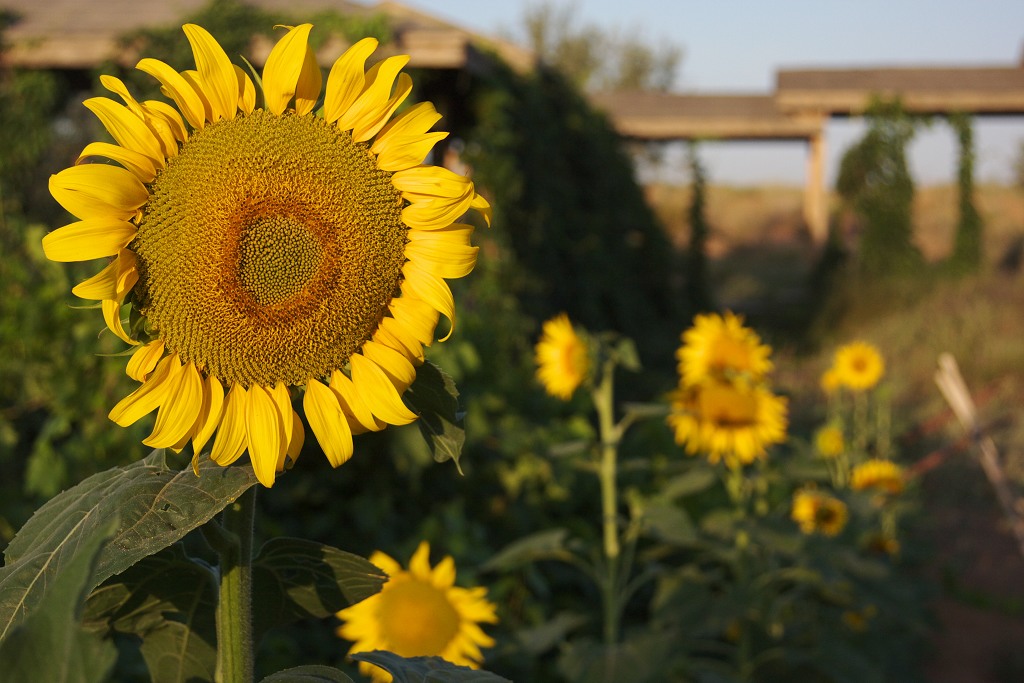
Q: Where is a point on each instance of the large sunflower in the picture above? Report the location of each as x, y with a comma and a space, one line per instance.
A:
562, 357
734, 422
721, 347
260, 250
419, 613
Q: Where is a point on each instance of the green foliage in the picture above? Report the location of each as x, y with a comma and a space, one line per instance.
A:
48, 644
425, 669
308, 674
875, 182
967, 247
594, 58
698, 290
435, 399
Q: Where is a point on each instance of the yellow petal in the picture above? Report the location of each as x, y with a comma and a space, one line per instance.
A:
416, 120
371, 125
483, 207
443, 260
231, 440
352, 403
367, 108
392, 333
178, 89
110, 282
216, 73
144, 360
325, 418
88, 239
283, 400
435, 213
147, 397
192, 78
265, 434
210, 414
419, 563
136, 162
117, 86
167, 123
112, 317
406, 151
298, 439
431, 289
347, 78
379, 391
456, 233
287, 69
417, 317
127, 128
178, 413
246, 91
425, 182
307, 90
394, 364
98, 191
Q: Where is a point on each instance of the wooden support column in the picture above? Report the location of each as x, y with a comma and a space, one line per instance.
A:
815, 192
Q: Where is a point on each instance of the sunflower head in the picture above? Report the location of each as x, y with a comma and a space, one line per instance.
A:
829, 442
721, 347
734, 422
419, 613
817, 512
858, 366
260, 251
881, 475
562, 356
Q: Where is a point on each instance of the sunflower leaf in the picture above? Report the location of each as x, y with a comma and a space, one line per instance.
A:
549, 544
299, 579
425, 669
156, 507
314, 673
434, 397
168, 601
50, 644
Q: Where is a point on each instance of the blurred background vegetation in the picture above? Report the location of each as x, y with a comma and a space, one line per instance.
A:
917, 271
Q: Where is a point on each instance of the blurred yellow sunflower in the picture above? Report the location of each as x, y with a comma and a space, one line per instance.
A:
720, 347
734, 422
858, 366
419, 613
562, 357
830, 381
829, 442
261, 250
884, 475
818, 512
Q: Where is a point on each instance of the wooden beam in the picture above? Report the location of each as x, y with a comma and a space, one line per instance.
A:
815, 191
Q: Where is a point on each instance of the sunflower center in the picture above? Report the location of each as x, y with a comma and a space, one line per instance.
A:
277, 257
727, 407
417, 619
269, 249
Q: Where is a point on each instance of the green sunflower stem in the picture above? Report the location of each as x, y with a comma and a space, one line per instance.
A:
234, 603
610, 434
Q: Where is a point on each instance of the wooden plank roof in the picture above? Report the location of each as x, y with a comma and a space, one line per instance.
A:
666, 116
924, 90
81, 34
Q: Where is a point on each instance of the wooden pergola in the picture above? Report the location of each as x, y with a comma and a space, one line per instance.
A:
803, 102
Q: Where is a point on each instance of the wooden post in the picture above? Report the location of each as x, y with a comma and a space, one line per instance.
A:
815, 192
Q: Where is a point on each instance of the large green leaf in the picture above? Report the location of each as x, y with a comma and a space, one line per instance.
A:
434, 397
296, 579
640, 658
314, 673
543, 545
669, 523
169, 602
156, 507
49, 644
425, 669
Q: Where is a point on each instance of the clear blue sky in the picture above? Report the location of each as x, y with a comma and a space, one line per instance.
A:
737, 46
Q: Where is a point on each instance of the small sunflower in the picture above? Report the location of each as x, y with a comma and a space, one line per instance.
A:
262, 252
562, 357
858, 366
884, 475
419, 613
817, 512
721, 347
829, 442
728, 421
